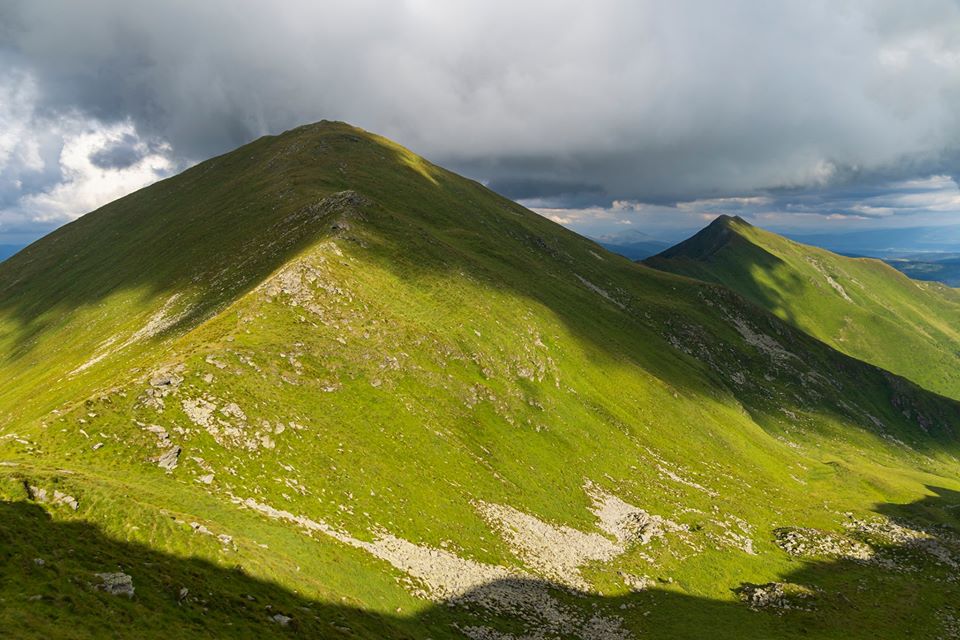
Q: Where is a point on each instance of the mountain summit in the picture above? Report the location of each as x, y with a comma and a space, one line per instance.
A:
709, 240
321, 387
860, 306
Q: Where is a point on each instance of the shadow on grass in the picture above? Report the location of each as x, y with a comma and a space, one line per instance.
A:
705, 255
219, 229
912, 597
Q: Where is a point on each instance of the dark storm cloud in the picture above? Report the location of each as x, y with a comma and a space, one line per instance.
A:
565, 103
545, 188
120, 154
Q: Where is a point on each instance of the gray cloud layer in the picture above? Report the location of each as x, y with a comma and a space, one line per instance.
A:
567, 103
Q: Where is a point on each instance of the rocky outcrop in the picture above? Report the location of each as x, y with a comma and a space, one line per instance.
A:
116, 584
39, 494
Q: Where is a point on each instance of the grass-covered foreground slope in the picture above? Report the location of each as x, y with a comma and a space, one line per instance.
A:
860, 306
319, 387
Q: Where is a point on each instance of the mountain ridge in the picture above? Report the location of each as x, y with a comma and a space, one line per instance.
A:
324, 373
861, 306
631, 244
708, 240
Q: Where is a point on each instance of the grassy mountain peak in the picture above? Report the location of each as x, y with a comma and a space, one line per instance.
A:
708, 241
860, 306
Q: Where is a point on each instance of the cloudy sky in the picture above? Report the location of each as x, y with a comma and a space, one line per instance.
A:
601, 114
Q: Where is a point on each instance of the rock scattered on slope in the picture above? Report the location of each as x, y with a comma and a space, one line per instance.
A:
199, 411
199, 528
38, 494
625, 522
166, 379
116, 584
941, 546
558, 551
780, 596
599, 291
555, 551
282, 620
442, 576
881, 541
168, 460
637, 583
808, 542
228, 426
163, 438
760, 341
836, 286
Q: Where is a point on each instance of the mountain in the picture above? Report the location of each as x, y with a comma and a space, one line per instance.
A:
632, 244
939, 267
859, 306
883, 243
320, 387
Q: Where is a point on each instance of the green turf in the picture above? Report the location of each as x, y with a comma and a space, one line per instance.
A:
428, 346
860, 306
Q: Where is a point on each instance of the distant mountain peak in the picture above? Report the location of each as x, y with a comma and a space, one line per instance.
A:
625, 236
727, 220
812, 288
709, 240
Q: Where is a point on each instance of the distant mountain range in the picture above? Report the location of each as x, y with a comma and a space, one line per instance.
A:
632, 244
936, 267
884, 243
923, 253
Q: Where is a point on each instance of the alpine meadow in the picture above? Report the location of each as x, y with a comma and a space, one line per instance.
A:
479, 320
320, 386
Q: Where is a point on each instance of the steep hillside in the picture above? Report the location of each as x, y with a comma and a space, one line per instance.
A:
860, 306
320, 387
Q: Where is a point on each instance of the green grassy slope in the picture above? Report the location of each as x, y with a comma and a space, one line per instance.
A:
860, 306
403, 406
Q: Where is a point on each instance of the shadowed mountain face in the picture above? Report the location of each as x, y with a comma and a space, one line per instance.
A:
51, 580
387, 402
859, 306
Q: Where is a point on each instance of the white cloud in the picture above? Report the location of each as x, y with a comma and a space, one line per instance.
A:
933, 200
18, 95
48, 175
84, 185
573, 103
